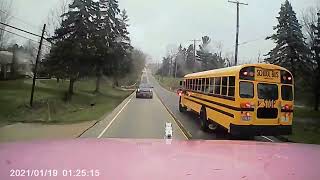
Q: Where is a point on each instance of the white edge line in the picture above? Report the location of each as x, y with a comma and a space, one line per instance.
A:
172, 119
106, 128
267, 138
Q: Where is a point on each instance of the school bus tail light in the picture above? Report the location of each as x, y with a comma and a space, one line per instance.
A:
246, 116
179, 92
286, 77
247, 105
247, 73
286, 107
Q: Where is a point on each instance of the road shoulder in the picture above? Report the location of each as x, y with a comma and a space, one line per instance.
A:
96, 129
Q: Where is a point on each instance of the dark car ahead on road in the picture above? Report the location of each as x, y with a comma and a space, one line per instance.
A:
144, 91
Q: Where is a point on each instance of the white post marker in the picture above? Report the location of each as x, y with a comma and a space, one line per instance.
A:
168, 131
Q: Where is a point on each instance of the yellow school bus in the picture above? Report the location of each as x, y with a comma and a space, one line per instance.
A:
252, 99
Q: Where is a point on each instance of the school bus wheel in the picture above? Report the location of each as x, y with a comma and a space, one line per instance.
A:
204, 124
182, 108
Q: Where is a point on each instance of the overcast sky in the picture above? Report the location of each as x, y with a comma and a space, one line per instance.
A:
156, 25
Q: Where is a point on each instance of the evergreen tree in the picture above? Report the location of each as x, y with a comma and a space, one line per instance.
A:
122, 62
106, 23
179, 62
290, 50
315, 49
165, 67
203, 55
208, 59
190, 61
70, 56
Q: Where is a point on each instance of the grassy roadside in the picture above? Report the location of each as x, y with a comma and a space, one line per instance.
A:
306, 122
306, 126
170, 83
49, 106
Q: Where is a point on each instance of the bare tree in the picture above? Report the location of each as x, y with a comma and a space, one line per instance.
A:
308, 19
310, 22
219, 48
54, 18
31, 49
229, 56
5, 16
53, 21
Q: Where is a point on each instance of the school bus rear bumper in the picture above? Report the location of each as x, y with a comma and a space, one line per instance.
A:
260, 130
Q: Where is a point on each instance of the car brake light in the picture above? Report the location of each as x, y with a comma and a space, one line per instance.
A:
180, 92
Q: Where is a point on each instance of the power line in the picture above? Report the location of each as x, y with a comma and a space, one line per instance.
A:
20, 29
25, 31
253, 40
18, 35
22, 36
20, 19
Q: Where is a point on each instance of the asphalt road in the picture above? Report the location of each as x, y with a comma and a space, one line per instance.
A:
190, 121
138, 119
146, 118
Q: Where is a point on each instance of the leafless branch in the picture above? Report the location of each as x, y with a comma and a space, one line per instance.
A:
5, 16
54, 18
308, 19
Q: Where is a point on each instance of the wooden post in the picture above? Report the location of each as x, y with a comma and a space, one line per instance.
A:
36, 65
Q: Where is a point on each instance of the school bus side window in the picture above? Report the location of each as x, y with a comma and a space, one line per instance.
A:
246, 89
211, 87
224, 86
203, 84
217, 86
231, 86
187, 85
206, 88
196, 84
192, 84
286, 93
199, 84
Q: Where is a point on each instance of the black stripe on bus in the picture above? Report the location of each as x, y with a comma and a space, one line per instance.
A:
214, 95
283, 110
210, 107
224, 105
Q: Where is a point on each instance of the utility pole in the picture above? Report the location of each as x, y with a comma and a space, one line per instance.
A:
36, 65
237, 33
194, 48
175, 69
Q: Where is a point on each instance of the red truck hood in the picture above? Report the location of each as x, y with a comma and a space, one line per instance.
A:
126, 159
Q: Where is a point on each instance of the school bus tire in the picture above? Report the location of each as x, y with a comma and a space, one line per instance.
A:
204, 124
182, 108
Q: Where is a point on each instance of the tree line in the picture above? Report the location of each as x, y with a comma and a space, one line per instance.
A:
297, 48
185, 60
92, 40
